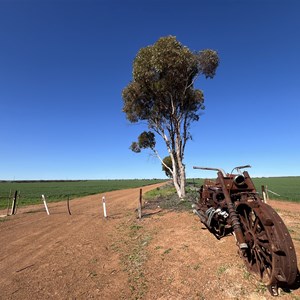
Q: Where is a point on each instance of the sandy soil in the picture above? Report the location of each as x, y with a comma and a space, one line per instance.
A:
166, 255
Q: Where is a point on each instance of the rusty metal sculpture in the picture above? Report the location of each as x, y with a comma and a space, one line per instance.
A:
231, 205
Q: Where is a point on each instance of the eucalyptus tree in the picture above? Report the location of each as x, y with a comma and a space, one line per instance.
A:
163, 95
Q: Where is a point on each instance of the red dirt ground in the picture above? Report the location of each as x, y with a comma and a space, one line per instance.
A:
166, 255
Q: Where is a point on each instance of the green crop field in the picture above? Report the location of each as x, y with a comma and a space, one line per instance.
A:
31, 191
287, 187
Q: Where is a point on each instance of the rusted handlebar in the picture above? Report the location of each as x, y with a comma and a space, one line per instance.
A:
211, 169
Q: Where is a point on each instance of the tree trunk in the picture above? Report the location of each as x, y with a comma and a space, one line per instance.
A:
179, 184
178, 175
178, 188
178, 169
182, 179
179, 163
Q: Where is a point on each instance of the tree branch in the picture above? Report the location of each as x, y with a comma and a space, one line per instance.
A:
158, 156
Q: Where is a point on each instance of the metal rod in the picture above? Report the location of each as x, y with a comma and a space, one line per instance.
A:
211, 169
233, 215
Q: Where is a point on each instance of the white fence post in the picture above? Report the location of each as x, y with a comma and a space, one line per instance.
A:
45, 204
263, 190
104, 206
267, 194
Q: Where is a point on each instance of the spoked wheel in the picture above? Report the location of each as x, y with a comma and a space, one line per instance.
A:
271, 253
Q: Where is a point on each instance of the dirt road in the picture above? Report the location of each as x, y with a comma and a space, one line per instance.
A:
166, 255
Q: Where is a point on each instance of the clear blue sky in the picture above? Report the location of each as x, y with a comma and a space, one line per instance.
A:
63, 65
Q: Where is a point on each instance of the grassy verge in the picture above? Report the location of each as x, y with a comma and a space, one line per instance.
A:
166, 197
133, 252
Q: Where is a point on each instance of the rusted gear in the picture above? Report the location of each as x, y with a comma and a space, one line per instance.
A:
270, 253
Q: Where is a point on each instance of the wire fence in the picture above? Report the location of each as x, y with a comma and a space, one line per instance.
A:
54, 191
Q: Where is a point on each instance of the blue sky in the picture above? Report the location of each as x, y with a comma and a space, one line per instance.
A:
63, 65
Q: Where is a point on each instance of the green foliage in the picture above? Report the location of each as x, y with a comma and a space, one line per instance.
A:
168, 162
135, 147
208, 62
162, 85
145, 140
31, 191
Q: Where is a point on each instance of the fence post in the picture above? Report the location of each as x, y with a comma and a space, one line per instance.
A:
45, 204
104, 206
140, 204
264, 193
68, 205
14, 204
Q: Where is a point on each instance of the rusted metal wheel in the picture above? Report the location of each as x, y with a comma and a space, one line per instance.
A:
271, 253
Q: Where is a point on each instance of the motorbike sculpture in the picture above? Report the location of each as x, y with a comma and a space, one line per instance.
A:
231, 205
